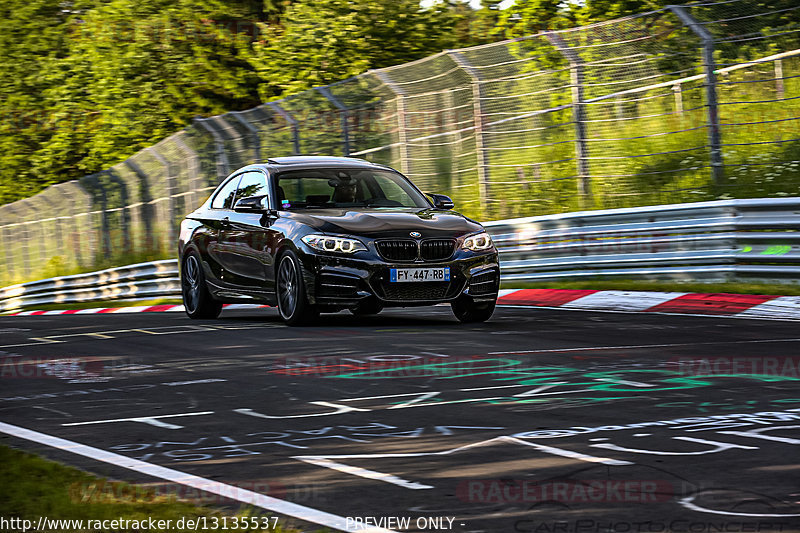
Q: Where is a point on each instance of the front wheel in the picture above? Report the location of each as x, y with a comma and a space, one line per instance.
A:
197, 300
467, 310
293, 304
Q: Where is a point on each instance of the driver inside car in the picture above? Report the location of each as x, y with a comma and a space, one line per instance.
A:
345, 191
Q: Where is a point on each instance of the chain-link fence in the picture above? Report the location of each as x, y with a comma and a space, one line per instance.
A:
682, 104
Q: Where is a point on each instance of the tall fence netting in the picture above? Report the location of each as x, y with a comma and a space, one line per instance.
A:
616, 114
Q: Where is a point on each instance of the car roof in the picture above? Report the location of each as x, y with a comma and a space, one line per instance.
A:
315, 161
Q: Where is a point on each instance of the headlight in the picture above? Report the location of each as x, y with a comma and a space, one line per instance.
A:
325, 243
477, 243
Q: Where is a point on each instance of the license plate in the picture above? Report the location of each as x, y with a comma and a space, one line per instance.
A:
400, 275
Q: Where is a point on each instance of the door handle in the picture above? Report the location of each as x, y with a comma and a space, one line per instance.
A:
226, 222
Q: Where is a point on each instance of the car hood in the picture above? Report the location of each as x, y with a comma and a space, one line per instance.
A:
394, 222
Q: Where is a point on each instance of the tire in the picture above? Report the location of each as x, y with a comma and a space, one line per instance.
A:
290, 292
466, 310
197, 301
370, 306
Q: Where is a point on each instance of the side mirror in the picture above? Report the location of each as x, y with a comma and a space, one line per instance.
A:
440, 201
252, 204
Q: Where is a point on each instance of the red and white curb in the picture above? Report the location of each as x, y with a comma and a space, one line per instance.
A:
132, 309
713, 304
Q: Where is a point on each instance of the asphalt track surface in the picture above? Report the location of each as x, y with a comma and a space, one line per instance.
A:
540, 420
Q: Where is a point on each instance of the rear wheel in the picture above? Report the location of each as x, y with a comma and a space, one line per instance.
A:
197, 300
467, 310
293, 304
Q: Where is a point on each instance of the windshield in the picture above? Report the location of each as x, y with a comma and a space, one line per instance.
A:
344, 188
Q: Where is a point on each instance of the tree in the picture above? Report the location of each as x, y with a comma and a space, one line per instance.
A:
527, 17
322, 41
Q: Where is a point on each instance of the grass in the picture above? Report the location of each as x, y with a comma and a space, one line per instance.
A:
32, 487
665, 286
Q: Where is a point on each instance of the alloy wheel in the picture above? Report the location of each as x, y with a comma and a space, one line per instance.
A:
287, 288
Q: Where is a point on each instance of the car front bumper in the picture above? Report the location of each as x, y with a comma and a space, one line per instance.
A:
337, 281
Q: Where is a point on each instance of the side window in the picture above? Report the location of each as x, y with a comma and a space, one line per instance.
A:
252, 184
225, 196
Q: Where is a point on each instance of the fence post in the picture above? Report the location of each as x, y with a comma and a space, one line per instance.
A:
343, 116
578, 116
253, 132
712, 104
480, 141
223, 169
124, 215
193, 167
292, 123
400, 103
779, 88
146, 205
677, 91
170, 182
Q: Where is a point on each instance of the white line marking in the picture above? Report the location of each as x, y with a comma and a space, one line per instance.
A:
635, 346
326, 461
688, 503
380, 397
152, 420
412, 403
363, 472
269, 503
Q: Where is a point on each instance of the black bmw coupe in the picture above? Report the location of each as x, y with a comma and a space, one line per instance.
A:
323, 234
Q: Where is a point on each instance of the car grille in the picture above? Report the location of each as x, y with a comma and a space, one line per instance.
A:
416, 291
437, 249
397, 250
407, 250
483, 283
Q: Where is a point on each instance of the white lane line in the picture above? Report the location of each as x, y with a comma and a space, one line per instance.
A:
635, 346
269, 503
327, 461
363, 472
152, 420
689, 504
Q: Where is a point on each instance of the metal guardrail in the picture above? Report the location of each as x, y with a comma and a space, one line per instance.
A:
725, 240
156, 279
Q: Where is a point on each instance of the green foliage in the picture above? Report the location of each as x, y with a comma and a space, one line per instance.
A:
323, 41
86, 87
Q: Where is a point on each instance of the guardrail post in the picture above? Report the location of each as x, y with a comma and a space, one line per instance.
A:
400, 105
712, 104
479, 118
253, 133
223, 168
343, 116
292, 123
578, 117
170, 181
